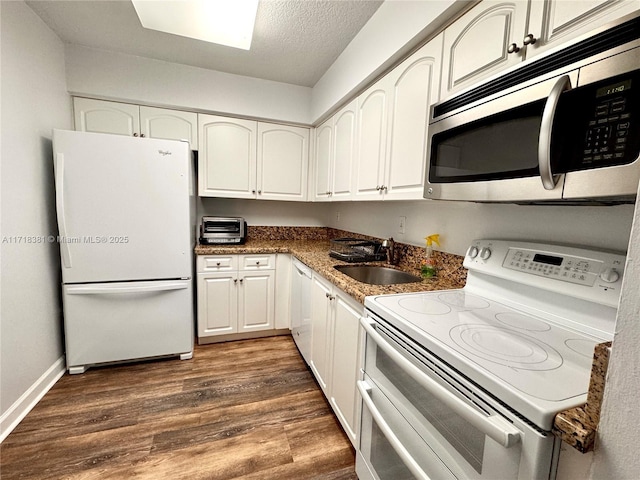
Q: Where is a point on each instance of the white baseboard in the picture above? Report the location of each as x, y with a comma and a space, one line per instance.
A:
14, 415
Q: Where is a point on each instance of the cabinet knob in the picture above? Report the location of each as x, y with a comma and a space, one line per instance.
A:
218, 264
378, 187
384, 187
235, 280
257, 263
327, 193
142, 135
135, 134
529, 39
253, 191
513, 48
241, 280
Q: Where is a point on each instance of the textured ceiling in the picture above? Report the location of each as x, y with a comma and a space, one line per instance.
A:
294, 41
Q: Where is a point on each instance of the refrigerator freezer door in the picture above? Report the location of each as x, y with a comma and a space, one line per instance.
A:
119, 321
123, 207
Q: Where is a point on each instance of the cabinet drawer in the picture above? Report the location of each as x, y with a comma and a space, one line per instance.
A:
258, 262
216, 263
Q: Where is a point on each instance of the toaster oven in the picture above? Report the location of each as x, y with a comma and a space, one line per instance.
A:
223, 230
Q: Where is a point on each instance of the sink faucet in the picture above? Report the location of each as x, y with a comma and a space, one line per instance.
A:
389, 246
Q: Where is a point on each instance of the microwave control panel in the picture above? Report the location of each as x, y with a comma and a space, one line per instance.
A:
599, 124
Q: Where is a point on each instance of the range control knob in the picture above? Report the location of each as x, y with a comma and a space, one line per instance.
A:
609, 275
473, 252
485, 253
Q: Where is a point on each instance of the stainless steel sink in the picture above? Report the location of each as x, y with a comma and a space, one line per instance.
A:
376, 275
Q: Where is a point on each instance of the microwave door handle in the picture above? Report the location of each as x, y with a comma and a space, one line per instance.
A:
494, 426
549, 180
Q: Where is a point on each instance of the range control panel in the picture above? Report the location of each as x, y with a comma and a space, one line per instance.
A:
568, 268
576, 271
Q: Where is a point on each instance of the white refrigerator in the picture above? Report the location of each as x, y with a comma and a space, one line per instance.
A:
124, 208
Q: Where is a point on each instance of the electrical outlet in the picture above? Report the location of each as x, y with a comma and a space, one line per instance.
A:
402, 224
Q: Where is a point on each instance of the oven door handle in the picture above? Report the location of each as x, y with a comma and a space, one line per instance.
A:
494, 426
365, 392
549, 180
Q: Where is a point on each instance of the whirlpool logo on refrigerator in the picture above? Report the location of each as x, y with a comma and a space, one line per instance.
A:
164, 153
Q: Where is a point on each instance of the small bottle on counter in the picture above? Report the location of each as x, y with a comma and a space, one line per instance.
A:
428, 266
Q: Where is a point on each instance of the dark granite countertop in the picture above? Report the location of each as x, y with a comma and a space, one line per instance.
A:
315, 254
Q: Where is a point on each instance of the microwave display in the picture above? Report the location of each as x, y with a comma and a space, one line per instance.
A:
597, 126
611, 89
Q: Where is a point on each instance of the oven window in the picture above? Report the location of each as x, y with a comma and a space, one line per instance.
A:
384, 458
497, 147
462, 436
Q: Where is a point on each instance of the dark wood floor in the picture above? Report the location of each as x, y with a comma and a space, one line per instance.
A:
245, 410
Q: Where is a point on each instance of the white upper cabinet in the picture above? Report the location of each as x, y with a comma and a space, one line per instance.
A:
98, 116
344, 135
335, 153
227, 157
323, 161
555, 21
283, 162
248, 159
371, 138
169, 124
101, 116
496, 34
414, 87
481, 43
393, 118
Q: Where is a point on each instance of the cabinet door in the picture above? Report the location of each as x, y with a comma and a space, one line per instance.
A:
227, 157
256, 301
217, 303
555, 21
169, 124
321, 331
371, 138
476, 45
414, 87
283, 159
344, 142
323, 160
99, 116
346, 362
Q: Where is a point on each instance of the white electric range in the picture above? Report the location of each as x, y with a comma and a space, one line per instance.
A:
513, 348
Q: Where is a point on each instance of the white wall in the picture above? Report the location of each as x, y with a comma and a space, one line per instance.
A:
118, 76
616, 453
393, 31
266, 213
459, 222
34, 100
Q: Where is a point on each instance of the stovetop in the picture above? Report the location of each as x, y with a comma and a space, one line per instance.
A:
521, 343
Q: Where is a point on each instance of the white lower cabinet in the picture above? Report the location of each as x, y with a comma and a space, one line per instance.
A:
236, 294
335, 349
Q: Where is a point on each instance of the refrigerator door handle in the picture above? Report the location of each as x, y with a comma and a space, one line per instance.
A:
119, 288
65, 252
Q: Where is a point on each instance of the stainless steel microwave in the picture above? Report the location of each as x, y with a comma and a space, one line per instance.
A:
565, 127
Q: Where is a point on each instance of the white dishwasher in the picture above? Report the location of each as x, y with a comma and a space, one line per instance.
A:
301, 308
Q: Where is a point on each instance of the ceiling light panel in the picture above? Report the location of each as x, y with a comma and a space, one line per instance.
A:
225, 22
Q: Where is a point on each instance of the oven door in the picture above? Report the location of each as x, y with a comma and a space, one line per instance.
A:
421, 420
